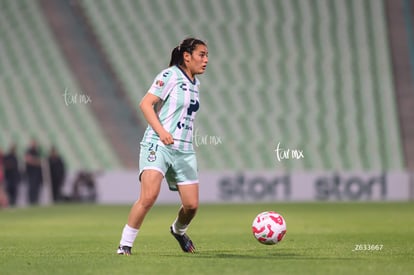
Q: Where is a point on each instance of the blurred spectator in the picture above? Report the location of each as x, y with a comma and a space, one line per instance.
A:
11, 174
3, 196
84, 187
57, 173
33, 172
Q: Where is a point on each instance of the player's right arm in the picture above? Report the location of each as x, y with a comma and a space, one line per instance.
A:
147, 108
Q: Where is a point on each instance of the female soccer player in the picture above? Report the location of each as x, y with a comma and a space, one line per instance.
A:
169, 107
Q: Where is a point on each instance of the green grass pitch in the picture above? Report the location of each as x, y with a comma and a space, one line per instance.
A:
321, 239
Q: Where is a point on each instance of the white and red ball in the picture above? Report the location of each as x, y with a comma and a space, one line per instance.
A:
269, 227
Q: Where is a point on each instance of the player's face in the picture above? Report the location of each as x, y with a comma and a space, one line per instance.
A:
199, 59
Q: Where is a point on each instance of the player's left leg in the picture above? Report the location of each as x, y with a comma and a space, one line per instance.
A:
183, 176
189, 199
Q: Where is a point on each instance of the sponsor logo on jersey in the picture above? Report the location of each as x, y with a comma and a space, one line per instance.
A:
159, 83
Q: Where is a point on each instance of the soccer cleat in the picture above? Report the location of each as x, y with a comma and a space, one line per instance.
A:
124, 250
184, 241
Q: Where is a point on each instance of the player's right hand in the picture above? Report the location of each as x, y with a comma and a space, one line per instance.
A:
166, 138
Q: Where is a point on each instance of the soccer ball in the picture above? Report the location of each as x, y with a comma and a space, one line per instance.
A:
269, 227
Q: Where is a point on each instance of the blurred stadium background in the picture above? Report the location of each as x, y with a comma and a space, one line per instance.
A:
334, 79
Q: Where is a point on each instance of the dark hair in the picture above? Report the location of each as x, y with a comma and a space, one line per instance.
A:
187, 45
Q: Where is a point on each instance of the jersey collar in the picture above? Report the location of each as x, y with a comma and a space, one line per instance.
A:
189, 79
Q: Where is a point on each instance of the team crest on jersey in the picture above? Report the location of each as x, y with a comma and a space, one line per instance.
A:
152, 156
159, 83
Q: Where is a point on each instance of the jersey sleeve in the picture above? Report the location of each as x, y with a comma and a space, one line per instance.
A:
163, 84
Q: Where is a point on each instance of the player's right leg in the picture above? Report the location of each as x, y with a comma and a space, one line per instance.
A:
150, 188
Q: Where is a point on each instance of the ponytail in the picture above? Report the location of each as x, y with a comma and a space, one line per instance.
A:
187, 45
176, 57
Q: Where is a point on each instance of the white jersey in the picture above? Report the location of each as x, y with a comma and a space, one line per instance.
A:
178, 107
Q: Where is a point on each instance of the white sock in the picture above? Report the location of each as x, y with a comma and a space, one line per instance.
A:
128, 236
179, 228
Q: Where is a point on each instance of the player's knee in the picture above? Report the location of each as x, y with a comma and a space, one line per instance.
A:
147, 202
191, 207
